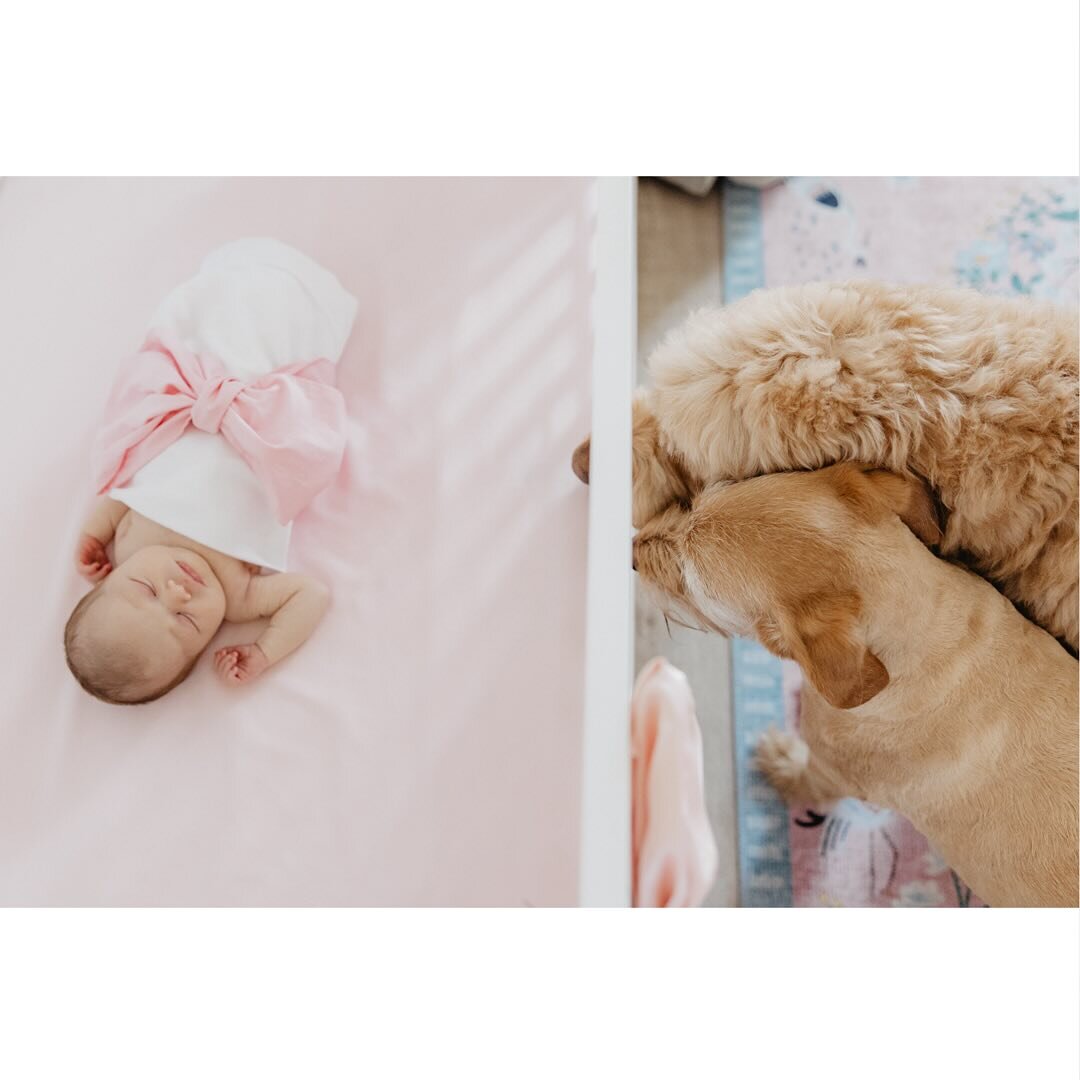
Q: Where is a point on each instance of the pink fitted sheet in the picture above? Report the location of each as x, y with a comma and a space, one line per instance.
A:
424, 747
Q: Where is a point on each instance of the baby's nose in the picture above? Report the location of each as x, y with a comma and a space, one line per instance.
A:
178, 591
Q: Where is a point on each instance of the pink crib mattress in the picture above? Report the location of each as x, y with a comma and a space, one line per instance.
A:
424, 747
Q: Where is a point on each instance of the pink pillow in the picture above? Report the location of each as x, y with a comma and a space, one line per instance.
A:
675, 858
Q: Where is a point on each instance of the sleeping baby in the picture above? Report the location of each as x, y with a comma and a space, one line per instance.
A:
218, 433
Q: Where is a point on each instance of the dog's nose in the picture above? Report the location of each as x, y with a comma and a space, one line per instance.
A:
580, 462
633, 558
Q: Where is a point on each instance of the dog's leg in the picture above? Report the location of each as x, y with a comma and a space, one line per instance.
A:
797, 774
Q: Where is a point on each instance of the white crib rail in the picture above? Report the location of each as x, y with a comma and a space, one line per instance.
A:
605, 874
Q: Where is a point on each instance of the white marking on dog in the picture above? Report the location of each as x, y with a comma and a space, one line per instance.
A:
726, 619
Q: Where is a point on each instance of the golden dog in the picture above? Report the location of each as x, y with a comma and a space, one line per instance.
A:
977, 394
927, 691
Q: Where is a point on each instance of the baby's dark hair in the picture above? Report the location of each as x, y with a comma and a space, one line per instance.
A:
110, 678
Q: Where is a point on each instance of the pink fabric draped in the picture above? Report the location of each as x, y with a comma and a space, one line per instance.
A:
288, 426
675, 857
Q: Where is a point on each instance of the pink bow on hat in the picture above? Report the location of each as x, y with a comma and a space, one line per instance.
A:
289, 426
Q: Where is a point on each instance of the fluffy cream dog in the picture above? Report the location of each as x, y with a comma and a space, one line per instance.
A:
977, 394
927, 691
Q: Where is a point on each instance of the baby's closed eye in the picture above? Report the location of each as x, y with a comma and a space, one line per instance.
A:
183, 616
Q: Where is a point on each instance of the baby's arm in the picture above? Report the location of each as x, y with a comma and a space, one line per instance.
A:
91, 559
295, 604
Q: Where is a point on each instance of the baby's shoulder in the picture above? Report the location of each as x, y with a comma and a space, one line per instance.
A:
252, 593
240, 580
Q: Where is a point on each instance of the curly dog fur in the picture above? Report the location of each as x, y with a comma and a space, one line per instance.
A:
977, 394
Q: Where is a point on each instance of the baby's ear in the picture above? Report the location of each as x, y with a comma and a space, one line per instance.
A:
873, 491
823, 636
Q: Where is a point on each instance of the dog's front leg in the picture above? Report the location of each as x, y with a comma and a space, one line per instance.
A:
796, 773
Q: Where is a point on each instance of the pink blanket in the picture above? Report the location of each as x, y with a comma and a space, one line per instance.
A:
674, 852
417, 750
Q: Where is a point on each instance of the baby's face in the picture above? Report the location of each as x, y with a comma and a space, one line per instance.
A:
161, 607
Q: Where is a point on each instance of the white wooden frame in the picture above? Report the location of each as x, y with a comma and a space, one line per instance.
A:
605, 867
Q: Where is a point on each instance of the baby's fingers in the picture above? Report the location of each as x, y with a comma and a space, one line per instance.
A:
229, 664
89, 550
224, 660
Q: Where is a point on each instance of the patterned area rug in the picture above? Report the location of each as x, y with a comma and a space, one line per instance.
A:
998, 235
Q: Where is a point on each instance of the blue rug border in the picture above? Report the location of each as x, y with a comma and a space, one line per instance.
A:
756, 675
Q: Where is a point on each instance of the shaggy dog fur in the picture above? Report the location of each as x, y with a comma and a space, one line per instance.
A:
977, 394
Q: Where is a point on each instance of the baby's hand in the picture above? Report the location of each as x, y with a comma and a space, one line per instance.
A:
90, 558
238, 664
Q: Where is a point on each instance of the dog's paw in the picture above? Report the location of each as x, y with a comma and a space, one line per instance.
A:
783, 758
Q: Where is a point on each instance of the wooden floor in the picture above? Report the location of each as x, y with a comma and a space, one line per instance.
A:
680, 246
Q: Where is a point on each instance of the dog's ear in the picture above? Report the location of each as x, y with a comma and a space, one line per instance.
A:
822, 635
872, 491
660, 477
580, 461
656, 550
